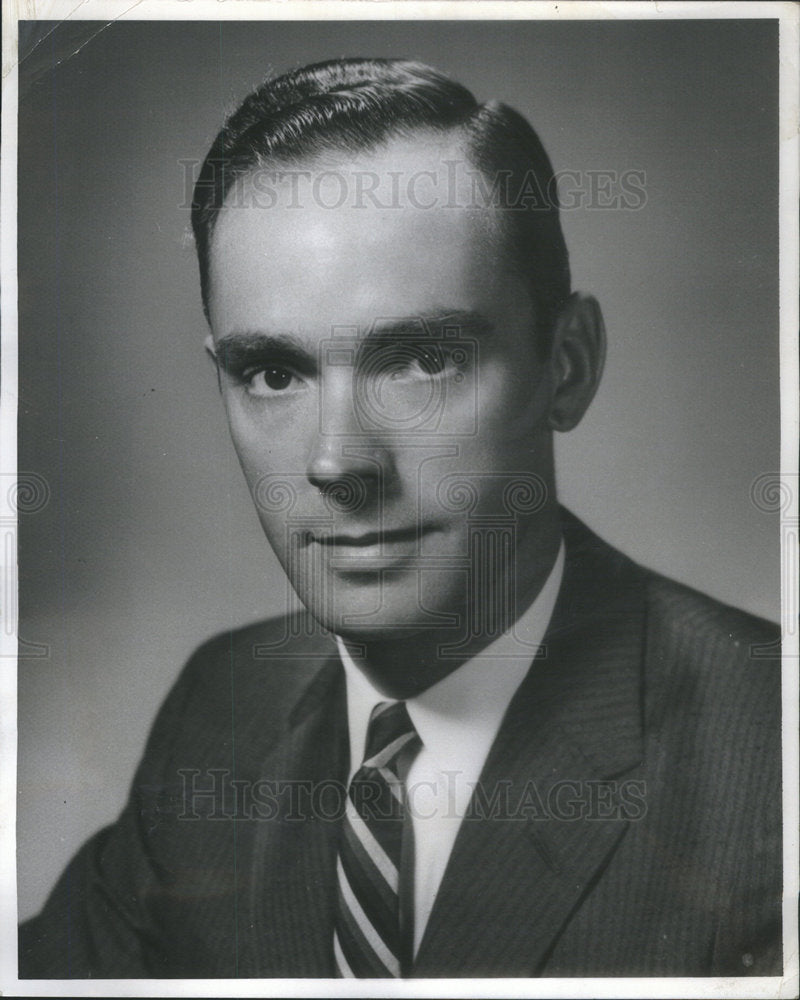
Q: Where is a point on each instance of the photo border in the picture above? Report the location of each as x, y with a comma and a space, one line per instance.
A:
109, 11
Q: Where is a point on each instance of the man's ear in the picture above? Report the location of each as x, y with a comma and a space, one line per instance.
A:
577, 357
209, 346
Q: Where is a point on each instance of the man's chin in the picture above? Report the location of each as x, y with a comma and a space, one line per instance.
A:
371, 622
380, 628
387, 608
380, 635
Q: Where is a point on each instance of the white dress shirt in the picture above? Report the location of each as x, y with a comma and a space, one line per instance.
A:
457, 720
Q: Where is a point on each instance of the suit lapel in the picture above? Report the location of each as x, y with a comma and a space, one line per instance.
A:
534, 846
294, 856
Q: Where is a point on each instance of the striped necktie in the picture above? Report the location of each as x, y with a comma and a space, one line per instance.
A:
369, 940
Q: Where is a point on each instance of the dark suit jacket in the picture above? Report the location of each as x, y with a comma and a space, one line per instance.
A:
635, 785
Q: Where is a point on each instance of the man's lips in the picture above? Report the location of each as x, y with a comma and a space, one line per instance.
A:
359, 555
371, 539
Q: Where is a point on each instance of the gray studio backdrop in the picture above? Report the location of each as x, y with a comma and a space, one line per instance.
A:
149, 543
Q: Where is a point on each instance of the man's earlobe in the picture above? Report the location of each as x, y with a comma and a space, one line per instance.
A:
212, 354
577, 358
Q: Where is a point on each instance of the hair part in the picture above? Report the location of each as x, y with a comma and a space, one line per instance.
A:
355, 105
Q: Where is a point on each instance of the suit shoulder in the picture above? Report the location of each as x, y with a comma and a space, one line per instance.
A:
258, 670
287, 649
683, 625
723, 660
690, 613
295, 636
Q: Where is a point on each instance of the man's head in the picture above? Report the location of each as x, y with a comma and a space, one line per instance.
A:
393, 366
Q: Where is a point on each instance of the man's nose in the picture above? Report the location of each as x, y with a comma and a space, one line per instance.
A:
343, 451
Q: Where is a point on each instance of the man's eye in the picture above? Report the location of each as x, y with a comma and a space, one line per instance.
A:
268, 380
405, 359
429, 357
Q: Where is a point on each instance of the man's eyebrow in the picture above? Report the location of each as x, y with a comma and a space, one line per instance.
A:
451, 321
235, 351
242, 348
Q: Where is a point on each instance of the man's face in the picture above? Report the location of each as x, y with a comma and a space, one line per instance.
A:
380, 375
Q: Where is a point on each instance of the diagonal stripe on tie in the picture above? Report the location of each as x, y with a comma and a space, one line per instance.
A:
366, 952
367, 938
342, 965
360, 959
376, 897
384, 756
358, 830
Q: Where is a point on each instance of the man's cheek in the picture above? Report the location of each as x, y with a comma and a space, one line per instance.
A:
278, 534
262, 448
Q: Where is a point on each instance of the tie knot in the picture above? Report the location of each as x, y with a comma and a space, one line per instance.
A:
390, 730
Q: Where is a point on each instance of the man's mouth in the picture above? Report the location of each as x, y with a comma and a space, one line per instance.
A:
371, 539
372, 549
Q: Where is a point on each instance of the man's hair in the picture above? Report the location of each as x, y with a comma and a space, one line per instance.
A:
355, 105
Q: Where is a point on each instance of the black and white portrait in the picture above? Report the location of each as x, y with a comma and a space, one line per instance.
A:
400, 516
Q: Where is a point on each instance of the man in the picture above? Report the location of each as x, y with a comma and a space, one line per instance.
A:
493, 746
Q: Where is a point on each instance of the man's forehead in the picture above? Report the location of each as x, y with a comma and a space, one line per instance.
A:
346, 239
418, 174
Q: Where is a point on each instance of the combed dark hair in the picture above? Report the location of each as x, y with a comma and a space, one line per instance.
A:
355, 105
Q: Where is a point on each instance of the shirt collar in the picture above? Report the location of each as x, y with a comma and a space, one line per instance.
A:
458, 718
